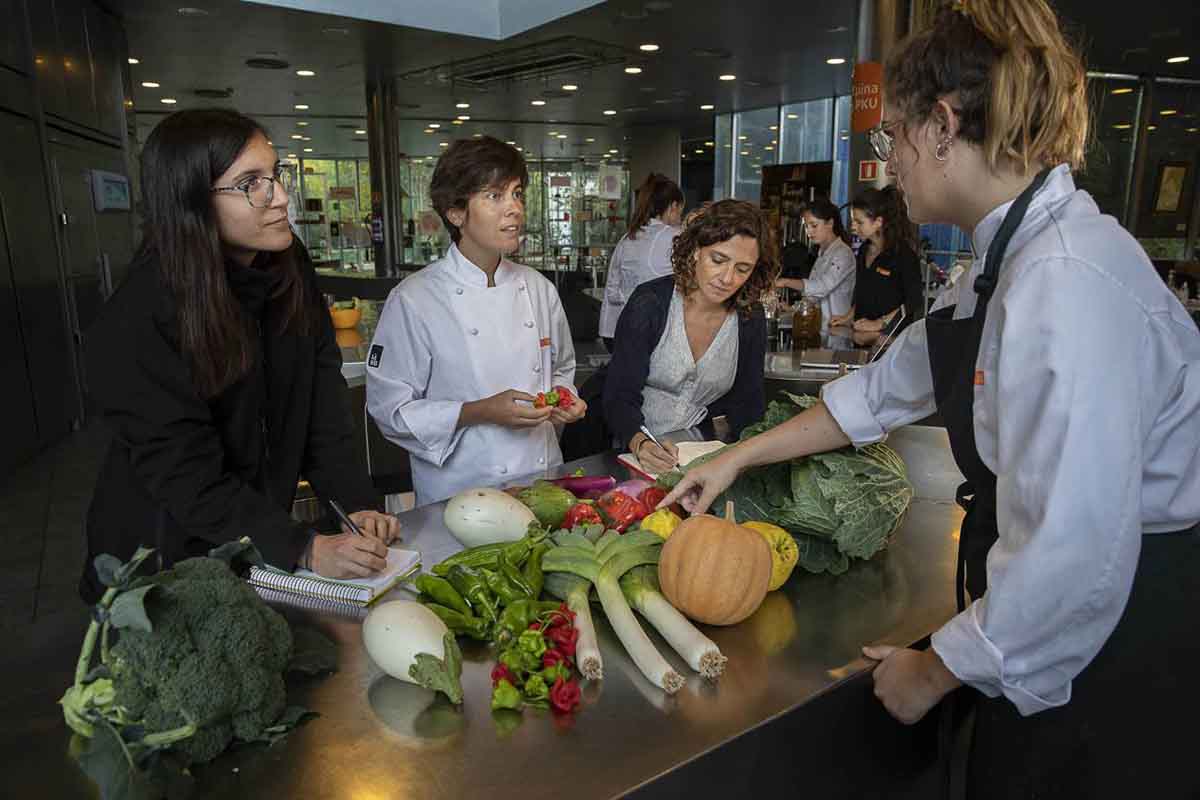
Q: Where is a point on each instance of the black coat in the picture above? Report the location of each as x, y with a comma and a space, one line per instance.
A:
184, 474
893, 280
641, 326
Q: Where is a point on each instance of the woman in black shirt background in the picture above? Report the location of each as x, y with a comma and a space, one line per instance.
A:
889, 272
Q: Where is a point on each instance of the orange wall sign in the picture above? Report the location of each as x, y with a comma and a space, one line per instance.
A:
866, 96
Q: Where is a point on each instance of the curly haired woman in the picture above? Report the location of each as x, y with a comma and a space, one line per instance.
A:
691, 346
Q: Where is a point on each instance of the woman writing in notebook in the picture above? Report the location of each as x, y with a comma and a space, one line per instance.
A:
691, 346
216, 368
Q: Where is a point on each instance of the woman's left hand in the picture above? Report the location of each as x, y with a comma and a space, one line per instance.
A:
383, 527
572, 413
910, 682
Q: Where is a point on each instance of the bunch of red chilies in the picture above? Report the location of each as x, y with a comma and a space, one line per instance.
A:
537, 668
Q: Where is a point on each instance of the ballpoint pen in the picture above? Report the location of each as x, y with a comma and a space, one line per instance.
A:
344, 517
654, 439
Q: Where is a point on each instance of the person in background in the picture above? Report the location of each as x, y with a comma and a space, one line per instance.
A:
888, 273
833, 275
644, 252
216, 367
465, 345
691, 346
1069, 380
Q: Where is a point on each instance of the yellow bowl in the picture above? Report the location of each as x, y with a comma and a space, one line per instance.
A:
348, 337
345, 317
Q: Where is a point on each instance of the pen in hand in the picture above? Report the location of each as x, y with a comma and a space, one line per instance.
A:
344, 517
653, 438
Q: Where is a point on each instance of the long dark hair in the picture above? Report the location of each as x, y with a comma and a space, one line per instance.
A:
826, 211
654, 196
887, 203
183, 157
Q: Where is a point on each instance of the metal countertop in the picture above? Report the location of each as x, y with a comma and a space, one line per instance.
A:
378, 737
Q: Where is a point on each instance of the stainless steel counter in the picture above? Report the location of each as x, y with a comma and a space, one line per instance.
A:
380, 738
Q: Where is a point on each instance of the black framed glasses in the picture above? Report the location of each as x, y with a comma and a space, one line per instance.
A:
883, 139
260, 189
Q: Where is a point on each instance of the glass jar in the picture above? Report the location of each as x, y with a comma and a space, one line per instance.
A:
806, 325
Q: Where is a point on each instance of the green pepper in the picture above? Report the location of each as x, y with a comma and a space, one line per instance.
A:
533, 569
536, 689
442, 592
514, 576
501, 587
519, 660
474, 591
533, 643
559, 670
505, 695
461, 624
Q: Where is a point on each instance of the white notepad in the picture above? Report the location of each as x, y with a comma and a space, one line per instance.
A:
688, 452
401, 564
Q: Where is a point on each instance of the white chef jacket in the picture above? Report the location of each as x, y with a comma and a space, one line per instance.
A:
633, 262
1087, 409
832, 280
446, 338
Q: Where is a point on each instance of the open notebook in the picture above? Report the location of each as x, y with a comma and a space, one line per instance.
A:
401, 564
688, 451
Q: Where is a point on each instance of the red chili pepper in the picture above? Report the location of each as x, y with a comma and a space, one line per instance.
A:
554, 657
564, 638
540, 400
501, 672
564, 695
565, 398
621, 510
581, 514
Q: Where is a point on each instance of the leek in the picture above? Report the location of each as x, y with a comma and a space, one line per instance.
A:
641, 589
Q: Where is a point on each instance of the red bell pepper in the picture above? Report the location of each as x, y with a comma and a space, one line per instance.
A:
621, 510
581, 514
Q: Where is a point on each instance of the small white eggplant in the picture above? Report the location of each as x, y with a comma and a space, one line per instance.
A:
485, 516
410, 642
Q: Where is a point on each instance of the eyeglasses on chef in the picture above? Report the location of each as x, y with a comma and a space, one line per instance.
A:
883, 139
260, 189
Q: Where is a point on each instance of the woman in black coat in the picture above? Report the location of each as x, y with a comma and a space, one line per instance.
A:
691, 346
216, 367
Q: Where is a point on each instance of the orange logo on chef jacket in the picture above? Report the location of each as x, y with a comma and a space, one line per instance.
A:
545, 342
979, 377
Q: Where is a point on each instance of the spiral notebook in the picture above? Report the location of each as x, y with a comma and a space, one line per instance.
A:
401, 564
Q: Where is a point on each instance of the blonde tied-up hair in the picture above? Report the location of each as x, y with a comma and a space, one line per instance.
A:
1021, 86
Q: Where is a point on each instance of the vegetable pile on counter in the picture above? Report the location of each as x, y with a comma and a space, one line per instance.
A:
198, 662
838, 505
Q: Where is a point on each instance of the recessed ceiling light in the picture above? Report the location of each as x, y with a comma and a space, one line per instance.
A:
613, 152
300, 107
552, 133
1179, 59
707, 107
569, 87
308, 149
306, 138
435, 125
297, 136
537, 102
443, 144
589, 140
476, 135
150, 84
462, 105
743, 138
291, 155
429, 130
1166, 112
772, 127
511, 144
134, 61
562, 136
633, 70
1122, 126
302, 124
648, 48
745, 152
360, 133
728, 77
835, 61
708, 144
793, 116
768, 147
520, 149
464, 117
305, 73
699, 152
192, 11
1122, 90
1151, 127
169, 101
456, 122
608, 112
1193, 130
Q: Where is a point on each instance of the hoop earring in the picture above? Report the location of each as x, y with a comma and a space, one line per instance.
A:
942, 152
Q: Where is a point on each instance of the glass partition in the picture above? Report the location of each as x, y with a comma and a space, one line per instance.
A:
756, 142
807, 132
723, 160
333, 213
1114, 106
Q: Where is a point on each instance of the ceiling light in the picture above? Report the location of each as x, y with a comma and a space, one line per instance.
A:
308, 149
291, 155
302, 124
300, 107
307, 138
435, 125
728, 77
745, 152
476, 135
456, 122
429, 158
608, 112
633, 70
589, 140
429, 130
1123, 126
305, 73
833, 62
462, 105
648, 48
520, 149
297, 136
443, 144
562, 136
537, 102
743, 138
772, 127
768, 147
150, 84
511, 144
134, 61
360, 133
613, 152
793, 116
1151, 127
569, 87
708, 144
169, 101
1193, 130
699, 152
1166, 112
707, 107
774, 141
1123, 90
464, 117
1179, 59
552, 133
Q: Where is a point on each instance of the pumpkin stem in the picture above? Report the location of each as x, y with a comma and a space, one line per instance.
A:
729, 512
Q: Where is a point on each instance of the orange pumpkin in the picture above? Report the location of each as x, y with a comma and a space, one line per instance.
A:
714, 570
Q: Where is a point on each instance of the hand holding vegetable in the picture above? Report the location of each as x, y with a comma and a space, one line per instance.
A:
509, 409
568, 414
345, 555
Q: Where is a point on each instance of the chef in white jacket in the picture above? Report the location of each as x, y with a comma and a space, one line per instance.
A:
831, 282
464, 346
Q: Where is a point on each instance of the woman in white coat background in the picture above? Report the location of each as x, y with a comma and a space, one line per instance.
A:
644, 253
465, 344
832, 280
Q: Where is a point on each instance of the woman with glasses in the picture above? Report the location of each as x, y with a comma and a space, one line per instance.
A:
1068, 377
831, 282
216, 368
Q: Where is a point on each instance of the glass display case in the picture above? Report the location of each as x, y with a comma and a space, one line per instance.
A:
333, 213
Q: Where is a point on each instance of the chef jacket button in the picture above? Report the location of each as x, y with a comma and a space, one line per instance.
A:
541, 461
474, 331
504, 470
537, 369
529, 324
522, 289
458, 290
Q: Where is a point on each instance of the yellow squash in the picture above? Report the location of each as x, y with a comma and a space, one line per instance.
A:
784, 551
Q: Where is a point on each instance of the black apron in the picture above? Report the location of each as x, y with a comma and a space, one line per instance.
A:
1128, 729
